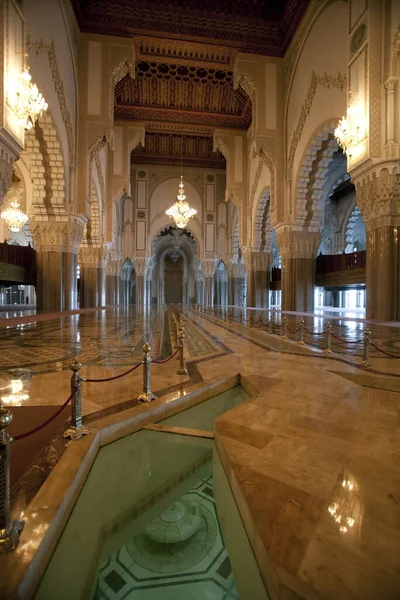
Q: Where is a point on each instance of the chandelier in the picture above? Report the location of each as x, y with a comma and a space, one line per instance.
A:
180, 211
350, 131
14, 216
29, 104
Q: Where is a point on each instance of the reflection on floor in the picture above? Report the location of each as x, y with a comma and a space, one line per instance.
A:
180, 555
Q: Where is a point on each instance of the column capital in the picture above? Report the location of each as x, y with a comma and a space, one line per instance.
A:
255, 260
94, 256
236, 270
208, 266
378, 196
63, 235
114, 264
141, 264
297, 244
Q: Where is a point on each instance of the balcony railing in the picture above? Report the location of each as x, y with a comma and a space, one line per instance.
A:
22, 256
332, 263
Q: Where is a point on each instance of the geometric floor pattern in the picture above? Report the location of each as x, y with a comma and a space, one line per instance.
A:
163, 572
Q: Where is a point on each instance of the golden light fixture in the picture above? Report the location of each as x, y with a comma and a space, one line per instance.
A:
180, 211
29, 102
14, 216
350, 130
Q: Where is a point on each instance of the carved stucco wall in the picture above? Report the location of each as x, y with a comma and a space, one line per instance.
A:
52, 67
318, 87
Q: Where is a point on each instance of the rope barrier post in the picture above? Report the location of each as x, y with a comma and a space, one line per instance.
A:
175, 328
9, 530
301, 340
284, 328
367, 335
77, 429
147, 395
328, 349
182, 370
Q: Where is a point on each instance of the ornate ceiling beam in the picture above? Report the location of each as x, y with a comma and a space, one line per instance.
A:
145, 113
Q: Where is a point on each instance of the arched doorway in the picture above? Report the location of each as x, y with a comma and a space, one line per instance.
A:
173, 277
128, 283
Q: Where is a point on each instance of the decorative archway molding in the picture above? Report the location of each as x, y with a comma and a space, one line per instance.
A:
311, 177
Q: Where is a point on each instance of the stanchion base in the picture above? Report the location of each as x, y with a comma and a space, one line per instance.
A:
301, 343
9, 539
328, 351
365, 364
146, 397
182, 371
75, 433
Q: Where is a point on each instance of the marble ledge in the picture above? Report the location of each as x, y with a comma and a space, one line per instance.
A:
48, 513
319, 501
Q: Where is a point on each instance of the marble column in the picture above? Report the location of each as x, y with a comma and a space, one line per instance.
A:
258, 284
141, 265
236, 283
112, 282
298, 251
56, 245
383, 273
208, 291
70, 289
377, 192
208, 267
93, 263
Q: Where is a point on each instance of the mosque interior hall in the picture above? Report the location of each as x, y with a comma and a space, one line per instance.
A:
199, 300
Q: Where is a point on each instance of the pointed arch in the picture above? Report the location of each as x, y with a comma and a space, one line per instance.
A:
311, 177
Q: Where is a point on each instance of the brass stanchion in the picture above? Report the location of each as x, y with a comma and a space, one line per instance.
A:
367, 335
175, 327
147, 395
301, 340
9, 530
270, 325
328, 349
284, 327
77, 429
182, 370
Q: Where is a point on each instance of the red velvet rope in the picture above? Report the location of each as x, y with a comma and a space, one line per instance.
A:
39, 427
160, 362
314, 332
383, 351
112, 378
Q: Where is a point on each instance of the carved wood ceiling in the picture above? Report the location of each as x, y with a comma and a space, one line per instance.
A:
185, 51
183, 94
255, 26
167, 149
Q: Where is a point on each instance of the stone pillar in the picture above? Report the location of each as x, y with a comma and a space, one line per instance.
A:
378, 196
258, 280
56, 244
141, 265
298, 251
112, 282
93, 263
208, 266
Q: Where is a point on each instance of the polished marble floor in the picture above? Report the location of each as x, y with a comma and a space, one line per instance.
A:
315, 454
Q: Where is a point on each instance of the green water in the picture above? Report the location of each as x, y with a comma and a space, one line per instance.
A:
104, 553
202, 415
